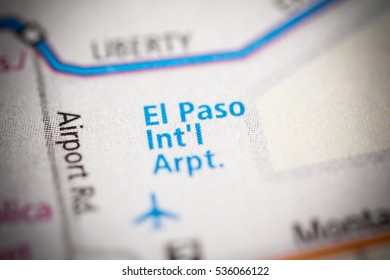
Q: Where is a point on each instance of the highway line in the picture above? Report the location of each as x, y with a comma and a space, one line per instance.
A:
43, 48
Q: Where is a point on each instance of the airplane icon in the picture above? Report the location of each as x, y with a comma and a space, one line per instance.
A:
155, 214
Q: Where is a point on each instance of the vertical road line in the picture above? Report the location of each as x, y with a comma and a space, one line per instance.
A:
51, 156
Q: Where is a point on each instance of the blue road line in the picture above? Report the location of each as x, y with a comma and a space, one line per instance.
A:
55, 63
11, 24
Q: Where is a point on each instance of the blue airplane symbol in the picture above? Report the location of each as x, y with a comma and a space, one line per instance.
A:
155, 214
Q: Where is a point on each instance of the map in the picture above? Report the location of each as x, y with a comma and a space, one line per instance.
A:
195, 129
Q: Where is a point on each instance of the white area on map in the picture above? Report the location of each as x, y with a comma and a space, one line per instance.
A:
336, 107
